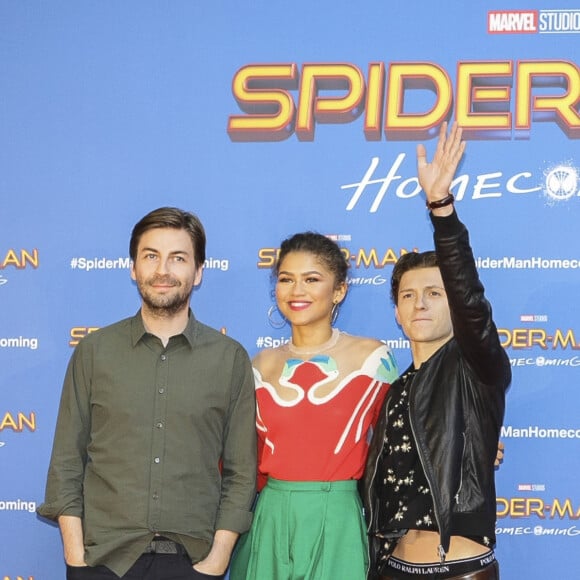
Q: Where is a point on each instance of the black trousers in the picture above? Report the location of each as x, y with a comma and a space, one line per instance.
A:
147, 567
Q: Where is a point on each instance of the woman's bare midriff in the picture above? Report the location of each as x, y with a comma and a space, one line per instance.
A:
422, 547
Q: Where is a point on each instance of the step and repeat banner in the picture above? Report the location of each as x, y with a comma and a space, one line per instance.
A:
269, 118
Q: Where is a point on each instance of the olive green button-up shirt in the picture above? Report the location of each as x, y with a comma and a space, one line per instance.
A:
153, 439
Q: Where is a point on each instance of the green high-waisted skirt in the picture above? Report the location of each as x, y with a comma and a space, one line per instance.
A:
304, 530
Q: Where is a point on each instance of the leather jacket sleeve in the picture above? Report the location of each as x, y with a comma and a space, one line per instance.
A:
471, 313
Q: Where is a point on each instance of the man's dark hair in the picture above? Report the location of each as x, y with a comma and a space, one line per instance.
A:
327, 251
171, 217
410, 261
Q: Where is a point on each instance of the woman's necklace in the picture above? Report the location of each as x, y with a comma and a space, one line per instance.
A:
315, 349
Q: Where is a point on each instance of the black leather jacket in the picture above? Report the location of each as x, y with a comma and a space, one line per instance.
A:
456, 405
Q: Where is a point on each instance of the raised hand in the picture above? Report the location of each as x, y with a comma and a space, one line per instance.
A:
435, 178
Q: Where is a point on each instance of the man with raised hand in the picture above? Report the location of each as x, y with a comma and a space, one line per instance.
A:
429, 488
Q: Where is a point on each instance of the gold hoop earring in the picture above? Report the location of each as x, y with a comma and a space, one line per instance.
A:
334, 313
273, 322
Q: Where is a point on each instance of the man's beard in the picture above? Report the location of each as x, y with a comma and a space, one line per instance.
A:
164, 306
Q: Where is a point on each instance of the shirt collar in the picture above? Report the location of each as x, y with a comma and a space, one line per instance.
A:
138, 329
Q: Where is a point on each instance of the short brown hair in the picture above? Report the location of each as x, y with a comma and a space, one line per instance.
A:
171, 217
410, 261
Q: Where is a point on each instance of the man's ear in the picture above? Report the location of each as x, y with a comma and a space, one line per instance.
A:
198, 276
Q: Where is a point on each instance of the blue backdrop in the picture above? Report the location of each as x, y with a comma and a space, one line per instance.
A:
268, 118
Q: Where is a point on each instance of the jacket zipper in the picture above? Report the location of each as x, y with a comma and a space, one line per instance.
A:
440, 551
461, 477
372, 481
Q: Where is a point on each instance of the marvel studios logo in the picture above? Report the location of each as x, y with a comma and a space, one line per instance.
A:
533, 21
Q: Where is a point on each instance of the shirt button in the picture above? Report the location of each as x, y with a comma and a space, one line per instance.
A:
161, 390
163, 357
157, 460
155, 495
159, 425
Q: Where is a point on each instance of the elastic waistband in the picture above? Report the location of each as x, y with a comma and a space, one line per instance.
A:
476, 568
340, 485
